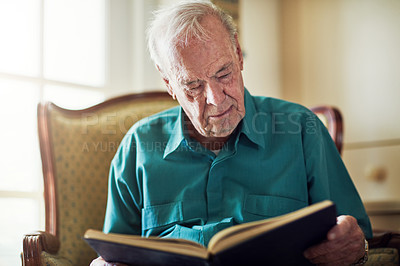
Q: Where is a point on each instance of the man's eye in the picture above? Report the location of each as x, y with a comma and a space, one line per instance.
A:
225, 76
194, 90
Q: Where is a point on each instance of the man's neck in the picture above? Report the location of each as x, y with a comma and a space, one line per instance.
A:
211, 143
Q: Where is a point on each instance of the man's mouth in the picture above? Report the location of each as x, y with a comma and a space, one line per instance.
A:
223, 113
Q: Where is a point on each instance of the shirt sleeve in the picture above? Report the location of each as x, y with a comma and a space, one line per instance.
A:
123, 212
327, 175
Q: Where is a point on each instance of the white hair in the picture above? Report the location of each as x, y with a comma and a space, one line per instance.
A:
175, 25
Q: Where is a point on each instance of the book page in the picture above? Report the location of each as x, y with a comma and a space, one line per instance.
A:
179, 246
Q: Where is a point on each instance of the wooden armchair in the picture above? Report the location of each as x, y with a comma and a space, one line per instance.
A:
76, 149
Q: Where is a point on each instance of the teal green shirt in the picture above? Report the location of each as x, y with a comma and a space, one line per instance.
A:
280, 158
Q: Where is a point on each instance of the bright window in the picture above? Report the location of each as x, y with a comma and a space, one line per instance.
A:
19, 161
72, 97
74, 41
50, 50
20, 37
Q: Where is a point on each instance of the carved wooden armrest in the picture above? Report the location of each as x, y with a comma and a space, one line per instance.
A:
35, 243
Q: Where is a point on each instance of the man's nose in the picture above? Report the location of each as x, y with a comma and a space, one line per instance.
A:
215, 94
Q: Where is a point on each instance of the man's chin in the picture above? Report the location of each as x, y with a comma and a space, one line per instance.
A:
223, 133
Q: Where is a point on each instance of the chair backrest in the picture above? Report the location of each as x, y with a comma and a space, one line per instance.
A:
332, 119
77, 147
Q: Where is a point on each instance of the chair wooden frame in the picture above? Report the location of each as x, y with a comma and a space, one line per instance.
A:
35, 243
335, 123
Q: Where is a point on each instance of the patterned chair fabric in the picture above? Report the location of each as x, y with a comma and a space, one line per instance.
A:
77, 148
383, 256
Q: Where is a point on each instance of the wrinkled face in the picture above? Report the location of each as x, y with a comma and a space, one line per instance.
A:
208, 82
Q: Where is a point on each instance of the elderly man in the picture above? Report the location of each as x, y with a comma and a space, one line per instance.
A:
224, 157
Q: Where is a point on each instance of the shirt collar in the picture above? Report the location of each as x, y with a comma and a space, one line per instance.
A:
252, 121
176, 135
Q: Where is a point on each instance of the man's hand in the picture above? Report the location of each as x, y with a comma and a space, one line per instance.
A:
101, 262
344, 244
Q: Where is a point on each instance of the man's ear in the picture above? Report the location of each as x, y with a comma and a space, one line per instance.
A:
169, 88
167, 83
239, 52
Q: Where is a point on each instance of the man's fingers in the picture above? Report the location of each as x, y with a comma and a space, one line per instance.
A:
344, 244
345, 224
335, 255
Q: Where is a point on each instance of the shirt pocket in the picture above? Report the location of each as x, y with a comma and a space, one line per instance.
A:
160, 215
271, 206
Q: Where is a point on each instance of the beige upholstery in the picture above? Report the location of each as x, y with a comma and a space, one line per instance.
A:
77, 148
383, 256
54, 260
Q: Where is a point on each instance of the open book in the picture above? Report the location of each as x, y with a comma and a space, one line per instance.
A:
276, 241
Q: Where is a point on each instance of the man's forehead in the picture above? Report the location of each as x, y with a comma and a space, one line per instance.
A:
186, 74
